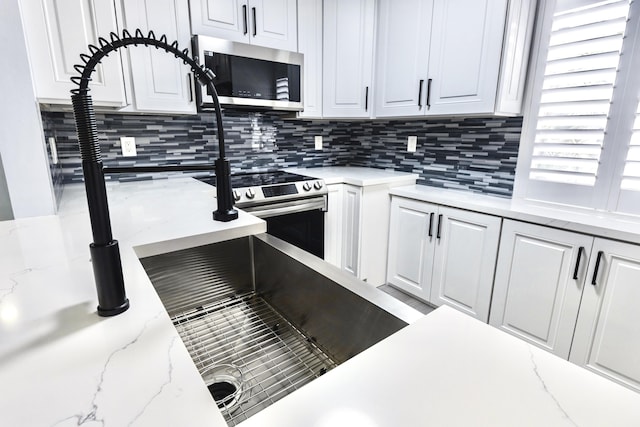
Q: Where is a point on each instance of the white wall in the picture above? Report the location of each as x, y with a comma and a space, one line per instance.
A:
22, 146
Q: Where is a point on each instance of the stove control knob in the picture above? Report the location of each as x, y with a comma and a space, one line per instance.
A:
250, 194
306, 186
236, 195
317, 185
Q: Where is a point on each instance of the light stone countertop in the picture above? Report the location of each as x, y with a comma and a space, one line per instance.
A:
61, 364
623, 228
449, 369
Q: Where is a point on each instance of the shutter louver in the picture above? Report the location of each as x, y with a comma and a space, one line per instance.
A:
631, 174
579, 78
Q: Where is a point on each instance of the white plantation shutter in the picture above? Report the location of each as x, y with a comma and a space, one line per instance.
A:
631, 173
579, 77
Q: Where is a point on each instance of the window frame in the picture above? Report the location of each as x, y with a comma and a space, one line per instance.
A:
605, 195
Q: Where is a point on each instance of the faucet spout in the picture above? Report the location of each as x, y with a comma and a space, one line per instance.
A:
105, 253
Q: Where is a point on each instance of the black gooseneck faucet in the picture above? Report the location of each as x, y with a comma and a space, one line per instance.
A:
105, 254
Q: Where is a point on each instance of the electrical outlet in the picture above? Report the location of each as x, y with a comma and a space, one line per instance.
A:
128, 145
412, 141
54, 150
318, 141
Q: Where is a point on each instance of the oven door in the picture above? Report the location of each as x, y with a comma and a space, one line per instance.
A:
299, 222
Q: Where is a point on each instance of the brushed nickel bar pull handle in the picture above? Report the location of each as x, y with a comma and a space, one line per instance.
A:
575, 271
595, 270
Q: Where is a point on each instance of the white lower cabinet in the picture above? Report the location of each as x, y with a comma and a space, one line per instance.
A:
607, 333
538, 285
333, 225
443, 255
351, 229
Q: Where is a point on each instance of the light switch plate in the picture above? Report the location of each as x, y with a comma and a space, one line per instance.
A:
412, 142
318, 141
128, 145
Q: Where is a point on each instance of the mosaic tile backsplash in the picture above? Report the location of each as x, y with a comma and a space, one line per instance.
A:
475, 154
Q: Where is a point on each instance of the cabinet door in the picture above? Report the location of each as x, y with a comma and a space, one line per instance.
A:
160, 83
536, 295
411, 246
347, 58
465, 260
310, 45
274, 24
57, 33
607, 335
402, 57
333, 226
466, 44
351, 229
227, 19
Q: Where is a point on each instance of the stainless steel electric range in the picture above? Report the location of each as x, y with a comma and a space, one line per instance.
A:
292, 205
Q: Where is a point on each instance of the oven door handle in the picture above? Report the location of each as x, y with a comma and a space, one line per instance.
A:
283, 208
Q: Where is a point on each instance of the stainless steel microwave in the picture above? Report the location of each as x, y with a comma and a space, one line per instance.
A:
250, 76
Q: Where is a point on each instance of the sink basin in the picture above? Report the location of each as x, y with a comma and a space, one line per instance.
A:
267, 317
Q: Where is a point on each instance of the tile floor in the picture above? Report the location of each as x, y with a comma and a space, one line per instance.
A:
422, 307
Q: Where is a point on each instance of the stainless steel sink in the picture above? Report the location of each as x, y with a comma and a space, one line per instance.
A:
261, 318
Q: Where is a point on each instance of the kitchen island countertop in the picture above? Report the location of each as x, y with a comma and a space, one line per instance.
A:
62, 365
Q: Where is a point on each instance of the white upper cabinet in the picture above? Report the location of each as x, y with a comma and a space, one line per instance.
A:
446, 57
57, 33
160, 82
607, 334
271, 23
404, 31
464, 59
348, 58
310, 45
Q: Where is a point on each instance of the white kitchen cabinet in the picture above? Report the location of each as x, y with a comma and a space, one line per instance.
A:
443, 255
464, 261
411, 248
348, 41
57, 33
271, 23
310, 45
160, 82
333, 225
539, 280
444, 57
607, 333
404, 34
464, 59
351, 229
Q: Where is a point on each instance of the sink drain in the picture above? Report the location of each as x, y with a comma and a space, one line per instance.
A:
225, 385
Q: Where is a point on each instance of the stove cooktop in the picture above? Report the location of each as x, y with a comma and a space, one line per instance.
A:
257, 179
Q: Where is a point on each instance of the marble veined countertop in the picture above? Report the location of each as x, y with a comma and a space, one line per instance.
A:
61, 364
449, 369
